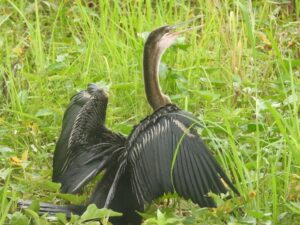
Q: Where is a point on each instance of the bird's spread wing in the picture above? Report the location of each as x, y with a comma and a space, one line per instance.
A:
60, 154
89, 145
168, 155
84, 162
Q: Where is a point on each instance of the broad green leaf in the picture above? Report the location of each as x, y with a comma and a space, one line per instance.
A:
74, 199
19, 219
92, 212
35, 206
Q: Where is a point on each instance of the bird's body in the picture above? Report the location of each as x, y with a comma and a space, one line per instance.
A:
162, 154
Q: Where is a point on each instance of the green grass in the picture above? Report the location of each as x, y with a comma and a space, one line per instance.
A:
239, 75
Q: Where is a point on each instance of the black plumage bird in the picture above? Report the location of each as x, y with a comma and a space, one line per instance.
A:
163, 153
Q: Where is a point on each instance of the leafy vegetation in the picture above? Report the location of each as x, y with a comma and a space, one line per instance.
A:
240, 75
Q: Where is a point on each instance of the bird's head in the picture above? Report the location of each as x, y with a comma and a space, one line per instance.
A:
163, 37
99, 89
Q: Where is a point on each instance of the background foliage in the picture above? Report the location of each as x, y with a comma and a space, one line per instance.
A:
240, 75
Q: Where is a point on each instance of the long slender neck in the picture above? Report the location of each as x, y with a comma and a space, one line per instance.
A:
151, 70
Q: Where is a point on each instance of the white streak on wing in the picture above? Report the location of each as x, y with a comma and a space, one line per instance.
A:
158, 130
87, 177
152, 133
182, 127
144, 139
148, 135
164, 127
166, 123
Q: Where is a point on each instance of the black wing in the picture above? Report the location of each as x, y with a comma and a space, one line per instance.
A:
60, 153
90, 145
170, 139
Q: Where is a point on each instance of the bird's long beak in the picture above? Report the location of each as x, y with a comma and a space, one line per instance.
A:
183, 24
170, 37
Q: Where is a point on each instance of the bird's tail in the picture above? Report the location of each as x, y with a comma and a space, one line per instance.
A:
114, 192
52, 209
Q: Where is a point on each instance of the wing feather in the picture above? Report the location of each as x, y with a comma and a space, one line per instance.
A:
195, 173
88, 147
60, 154
146, 179
201, 192
192, 176
213, 177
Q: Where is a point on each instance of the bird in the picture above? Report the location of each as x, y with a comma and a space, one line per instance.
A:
163, 153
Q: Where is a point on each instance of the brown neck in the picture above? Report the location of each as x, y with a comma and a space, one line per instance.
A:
151, 71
